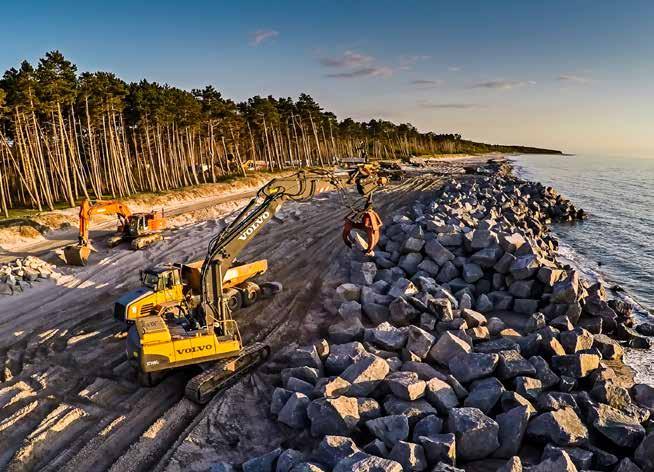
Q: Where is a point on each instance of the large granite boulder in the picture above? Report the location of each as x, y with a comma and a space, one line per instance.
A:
575, 365
476, 434
644, 455
332, 449
439, 448
294, 412
438, 252
471, 366
410, 456
622, 430
386, 336
335, 416
365, 374
341, 356
447, 347
414, 410
561, 427
305, 356
543, 372
389, 429
566, 290
512, 364
577, 340
406, 385
484, 394
265, 462
513, 425
427, 426
419, 341
558, 460
441, 394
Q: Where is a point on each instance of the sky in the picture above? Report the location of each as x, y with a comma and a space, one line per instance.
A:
572, 75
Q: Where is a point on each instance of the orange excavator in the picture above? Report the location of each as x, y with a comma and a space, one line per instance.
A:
141, 229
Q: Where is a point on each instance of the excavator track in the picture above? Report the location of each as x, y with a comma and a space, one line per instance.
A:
113, 241
224, 373
146, 240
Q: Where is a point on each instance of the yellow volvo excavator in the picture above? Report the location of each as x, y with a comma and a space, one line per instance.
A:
202, 332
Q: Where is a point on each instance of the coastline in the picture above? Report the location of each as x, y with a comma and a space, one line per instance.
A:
613, 244
641, 361
394, 337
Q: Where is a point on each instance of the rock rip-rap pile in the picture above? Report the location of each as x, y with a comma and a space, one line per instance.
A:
18, 275
464, 339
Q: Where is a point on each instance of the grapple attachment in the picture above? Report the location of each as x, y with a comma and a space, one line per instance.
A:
77, 254
367, 222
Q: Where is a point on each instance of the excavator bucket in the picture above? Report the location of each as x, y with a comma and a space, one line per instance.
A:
367, 222
77, 254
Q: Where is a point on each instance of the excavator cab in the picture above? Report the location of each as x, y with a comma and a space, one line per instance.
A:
160, 285
160, 278
150, 279
136, 225
143, 229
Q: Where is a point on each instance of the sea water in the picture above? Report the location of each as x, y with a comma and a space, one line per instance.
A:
616, 243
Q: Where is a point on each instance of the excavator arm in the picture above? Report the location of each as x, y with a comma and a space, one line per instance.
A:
301, 186
109, 207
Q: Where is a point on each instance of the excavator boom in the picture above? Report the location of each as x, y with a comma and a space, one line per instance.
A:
301, 186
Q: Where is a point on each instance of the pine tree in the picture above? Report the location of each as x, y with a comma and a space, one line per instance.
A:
64, 136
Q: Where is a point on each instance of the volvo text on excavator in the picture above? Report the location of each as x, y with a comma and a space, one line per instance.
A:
199, 329
141, 229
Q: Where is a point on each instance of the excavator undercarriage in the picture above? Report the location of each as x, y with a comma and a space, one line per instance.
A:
225, 373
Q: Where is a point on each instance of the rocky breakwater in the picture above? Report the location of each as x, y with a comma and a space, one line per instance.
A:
18, 275
464, 344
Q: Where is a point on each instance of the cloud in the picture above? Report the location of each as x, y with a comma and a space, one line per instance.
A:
363, 72
577, 79
357, 65
262, 35
503, 84
426, 83
454, 69
407, 62
449, 106
349, 59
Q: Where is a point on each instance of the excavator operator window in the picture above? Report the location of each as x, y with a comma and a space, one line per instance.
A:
163, 280
175, 277
170, 279
151, 280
